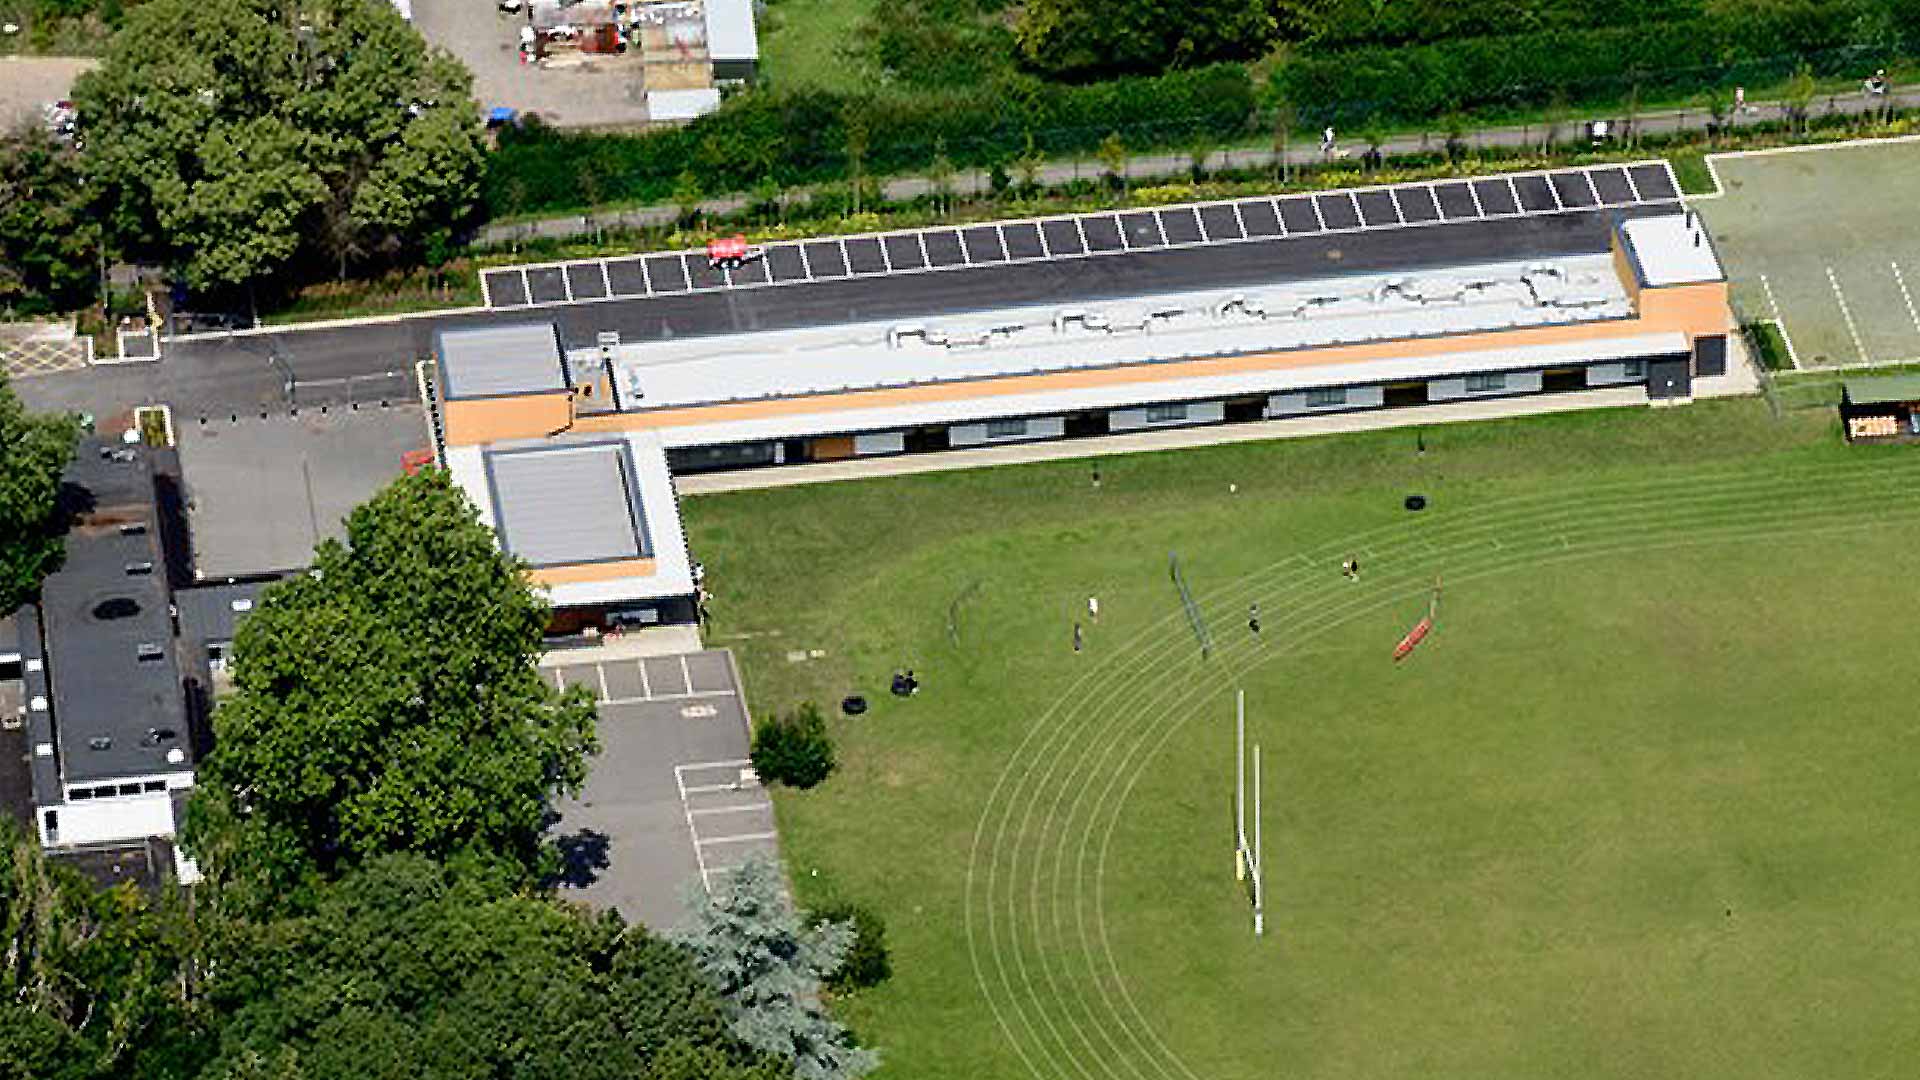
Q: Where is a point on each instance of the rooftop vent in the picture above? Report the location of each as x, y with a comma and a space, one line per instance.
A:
158, 735
100, 742
149, 651
134, 528
242, 604
144, 566
176, 756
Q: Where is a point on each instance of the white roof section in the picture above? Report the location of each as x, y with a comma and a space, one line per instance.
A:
1672, 249
730, 32
1133, 331
1199, 388
499, 360
567, 504
653, 491
681, 104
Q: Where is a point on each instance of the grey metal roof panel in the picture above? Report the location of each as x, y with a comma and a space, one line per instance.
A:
574, 503
45, 767
499, 360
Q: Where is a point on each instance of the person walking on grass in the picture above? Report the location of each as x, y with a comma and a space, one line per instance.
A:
1078, 642
1253, 619
1326, 142
1093, 610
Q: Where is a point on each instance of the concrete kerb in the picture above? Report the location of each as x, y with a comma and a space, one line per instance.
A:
326, 324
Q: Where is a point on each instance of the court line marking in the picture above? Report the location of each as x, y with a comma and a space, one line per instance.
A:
1847, 313
1901, 279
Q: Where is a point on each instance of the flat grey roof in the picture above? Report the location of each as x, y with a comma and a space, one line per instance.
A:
497, 361
561, 505
214, 612
107, 702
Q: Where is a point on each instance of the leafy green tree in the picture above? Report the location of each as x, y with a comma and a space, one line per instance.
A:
750, 944
89, 977
407, 969
237, 138
34, 451
389, 700
49, 234
1113, 157
795, 749
1798, 95
1075, 37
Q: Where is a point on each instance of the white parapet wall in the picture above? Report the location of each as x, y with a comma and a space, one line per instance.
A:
1155, 416
1489, 385
1335, 399
994, 432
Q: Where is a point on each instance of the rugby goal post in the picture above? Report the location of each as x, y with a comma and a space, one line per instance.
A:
1246, 852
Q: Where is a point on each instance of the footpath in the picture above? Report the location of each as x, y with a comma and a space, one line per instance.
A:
1147, 167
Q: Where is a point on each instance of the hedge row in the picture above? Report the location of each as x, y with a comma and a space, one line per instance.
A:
1761, 45
803, 139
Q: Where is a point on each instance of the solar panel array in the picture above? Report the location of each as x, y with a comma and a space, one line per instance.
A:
798, 262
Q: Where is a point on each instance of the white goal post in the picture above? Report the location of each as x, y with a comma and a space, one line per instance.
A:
1246, 856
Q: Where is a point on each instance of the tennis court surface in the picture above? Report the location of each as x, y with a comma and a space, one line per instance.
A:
1823, 238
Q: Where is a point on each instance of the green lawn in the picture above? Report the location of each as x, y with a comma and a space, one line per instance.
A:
1636, 808
808, 44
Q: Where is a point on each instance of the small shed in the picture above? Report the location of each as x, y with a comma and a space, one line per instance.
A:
1881, 407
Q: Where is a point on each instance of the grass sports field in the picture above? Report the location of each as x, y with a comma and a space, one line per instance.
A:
1641, 806
1823, 239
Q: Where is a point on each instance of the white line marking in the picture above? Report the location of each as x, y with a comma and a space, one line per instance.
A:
1478, 209
845, 259
1279, 221
1514, 190
1433, 196
1079, 226
1159, 226
646, 276
925, 259
1847, 313
686, 673
1555, 192
646, 689
601, 670
1006, 253
1901, 279
1354, 198
1399, 215
742, 838
526, 284
695, 696
1046, 249
486, 290
692, 833
1317, 215
886, 260
1593, 187
739, 809
1239, 219
1632, 184
1780, 324
806, 264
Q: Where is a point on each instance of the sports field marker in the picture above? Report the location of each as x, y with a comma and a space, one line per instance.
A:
1905, 295
1847, 313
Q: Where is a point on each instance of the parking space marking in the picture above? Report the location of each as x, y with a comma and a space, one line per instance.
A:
1208, 237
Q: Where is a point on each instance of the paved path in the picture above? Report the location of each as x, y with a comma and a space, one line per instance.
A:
1151, 166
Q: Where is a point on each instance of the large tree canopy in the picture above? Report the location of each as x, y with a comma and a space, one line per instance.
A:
389, 700
49, 235
231, 137
1078, 37
34, 451
405, 970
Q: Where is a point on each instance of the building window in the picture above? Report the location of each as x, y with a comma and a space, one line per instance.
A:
155, 785
1320, 399
80, 793
1164, 414
1633, 369
1483, 384
1006, 429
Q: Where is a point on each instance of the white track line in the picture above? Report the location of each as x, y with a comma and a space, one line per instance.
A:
1736, 501
1847, 313
1901, 279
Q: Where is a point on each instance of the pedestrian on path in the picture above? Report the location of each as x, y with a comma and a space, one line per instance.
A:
1739, 100
1326, 142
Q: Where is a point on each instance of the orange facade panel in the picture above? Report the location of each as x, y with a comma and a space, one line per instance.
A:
523, 416
601, 571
